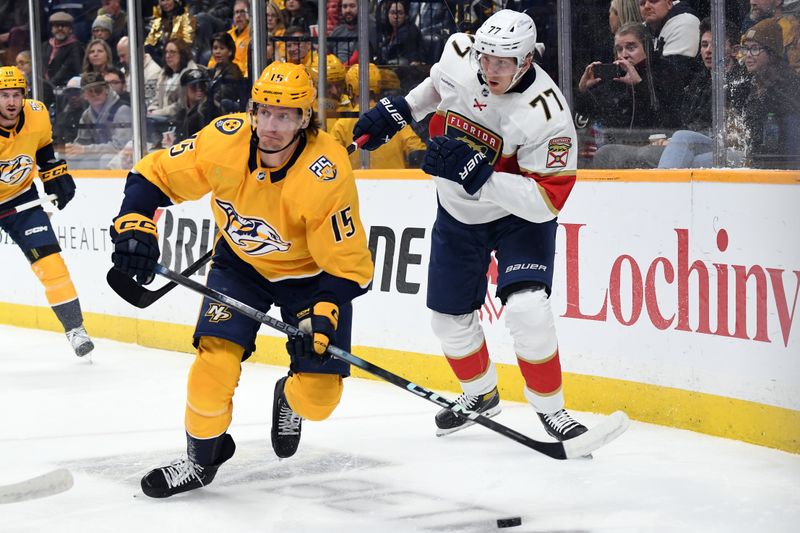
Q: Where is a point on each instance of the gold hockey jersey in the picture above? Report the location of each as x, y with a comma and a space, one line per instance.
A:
18, 147
288, 222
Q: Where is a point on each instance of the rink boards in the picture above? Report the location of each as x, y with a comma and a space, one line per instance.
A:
675, 293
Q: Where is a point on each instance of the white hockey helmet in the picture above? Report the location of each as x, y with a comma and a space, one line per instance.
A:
507, 33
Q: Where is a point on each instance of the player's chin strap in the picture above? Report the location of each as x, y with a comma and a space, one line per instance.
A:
296, 136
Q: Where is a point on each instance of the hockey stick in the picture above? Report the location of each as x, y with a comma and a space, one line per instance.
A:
613, 426
136, 295
27, 205
358, 143
47, 484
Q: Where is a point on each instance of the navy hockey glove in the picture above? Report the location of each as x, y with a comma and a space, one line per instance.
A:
456, 161
319, 324
135, 246
56, 181
390, 115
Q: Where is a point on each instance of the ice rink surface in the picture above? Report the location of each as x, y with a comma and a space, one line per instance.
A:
374, 466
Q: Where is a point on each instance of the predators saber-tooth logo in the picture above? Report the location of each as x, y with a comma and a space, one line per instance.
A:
254, 236
558, 152
15, 170
218, 313
323, 169
229, 126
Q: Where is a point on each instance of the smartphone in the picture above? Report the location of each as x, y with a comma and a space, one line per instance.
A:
608, 71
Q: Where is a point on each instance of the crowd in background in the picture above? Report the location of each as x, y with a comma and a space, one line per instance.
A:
652, 108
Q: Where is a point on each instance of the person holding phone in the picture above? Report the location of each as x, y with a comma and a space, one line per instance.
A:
635, 91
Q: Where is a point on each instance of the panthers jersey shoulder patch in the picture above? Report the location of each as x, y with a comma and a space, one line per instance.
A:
323, 168
229, 125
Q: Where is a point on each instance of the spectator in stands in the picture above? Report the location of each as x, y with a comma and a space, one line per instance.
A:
693, 147
643, 96
276, 27
101, 27
348, 29
240, 33
119, 20
97, 57
772, 113
333, 12
298, 51
190, 118
299, 13
23, 62
400, 42
105, 126
116, 82
17, 38
63, 52
177, 59
151, 70
788, 20
228, 87
68, 113
676, 32
404, 150
171, 20
621, 12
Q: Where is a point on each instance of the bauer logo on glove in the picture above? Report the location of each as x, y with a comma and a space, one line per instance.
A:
455, 160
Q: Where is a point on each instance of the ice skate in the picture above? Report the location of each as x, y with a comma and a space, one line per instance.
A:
487, 404
183, 474
561, 426
80, 341
286, 424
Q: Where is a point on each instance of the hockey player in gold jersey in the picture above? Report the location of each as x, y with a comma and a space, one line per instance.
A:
26, 144
401, 149
284, 200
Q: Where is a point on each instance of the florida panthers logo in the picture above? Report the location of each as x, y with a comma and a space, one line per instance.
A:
558, 151
15, 170
254, 236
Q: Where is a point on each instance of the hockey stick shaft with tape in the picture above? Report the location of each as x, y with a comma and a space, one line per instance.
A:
580, 446
27, 205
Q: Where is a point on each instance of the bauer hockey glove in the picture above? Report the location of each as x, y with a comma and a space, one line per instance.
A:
135, 246
56, 181
319, 324
382, 122
456, 161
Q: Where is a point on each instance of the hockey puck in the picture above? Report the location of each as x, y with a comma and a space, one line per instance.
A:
509, 522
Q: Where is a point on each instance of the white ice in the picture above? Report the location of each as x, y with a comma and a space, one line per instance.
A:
375, 465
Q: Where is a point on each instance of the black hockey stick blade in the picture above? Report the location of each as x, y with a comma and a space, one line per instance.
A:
136, 295
612, 427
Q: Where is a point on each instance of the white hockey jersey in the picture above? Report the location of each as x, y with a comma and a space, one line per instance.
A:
527, 134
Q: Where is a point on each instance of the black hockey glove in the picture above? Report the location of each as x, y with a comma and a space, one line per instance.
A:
319, 324
56, 181
456, 161
390, 115
135, 246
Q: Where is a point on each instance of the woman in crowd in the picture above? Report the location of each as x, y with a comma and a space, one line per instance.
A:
227, 87
276, 27
400, 42
98, 57
177, 59
170, 20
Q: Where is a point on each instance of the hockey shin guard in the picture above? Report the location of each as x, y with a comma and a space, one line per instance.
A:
314, 396
212, 380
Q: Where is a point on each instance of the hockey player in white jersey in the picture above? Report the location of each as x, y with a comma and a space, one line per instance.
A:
503, 154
